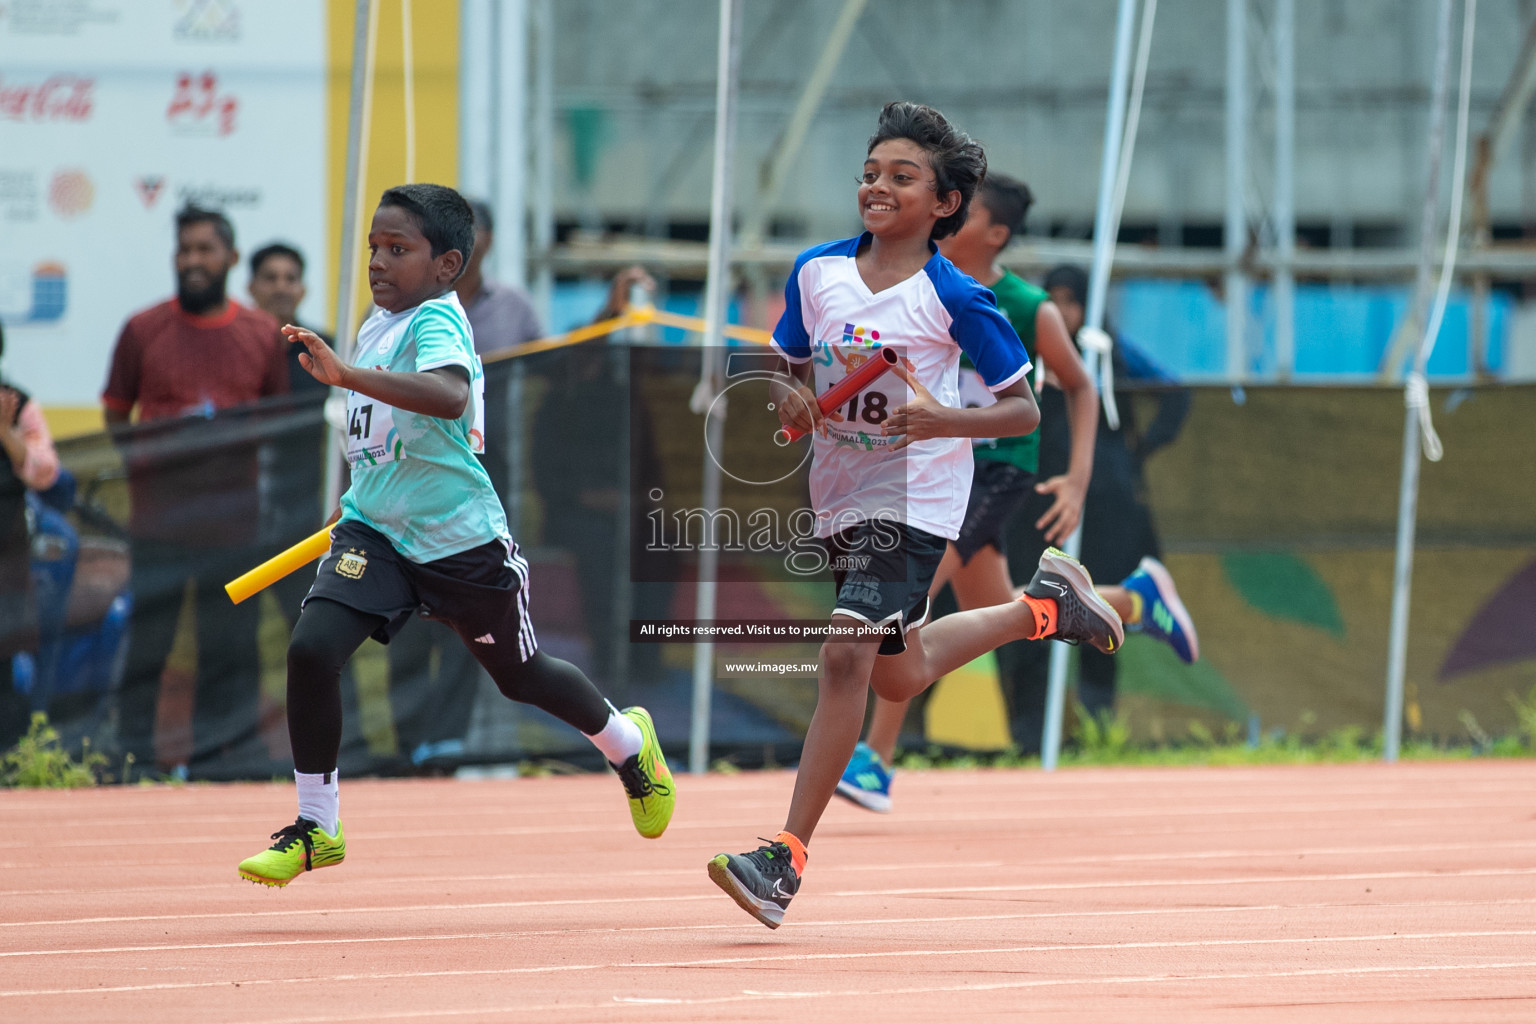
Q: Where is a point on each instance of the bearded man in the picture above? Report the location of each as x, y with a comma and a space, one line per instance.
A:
192, 480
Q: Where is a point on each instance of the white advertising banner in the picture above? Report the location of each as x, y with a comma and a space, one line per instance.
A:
114, 114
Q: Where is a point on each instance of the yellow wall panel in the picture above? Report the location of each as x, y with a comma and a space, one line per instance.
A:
435, 58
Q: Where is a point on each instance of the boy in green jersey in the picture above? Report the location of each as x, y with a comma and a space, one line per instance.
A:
421, 531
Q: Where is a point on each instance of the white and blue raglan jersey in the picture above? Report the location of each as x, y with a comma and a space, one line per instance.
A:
415, 478
832, 319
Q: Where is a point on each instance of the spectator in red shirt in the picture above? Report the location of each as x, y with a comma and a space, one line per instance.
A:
192, 479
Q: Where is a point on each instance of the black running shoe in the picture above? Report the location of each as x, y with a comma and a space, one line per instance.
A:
761, 882
1082, 616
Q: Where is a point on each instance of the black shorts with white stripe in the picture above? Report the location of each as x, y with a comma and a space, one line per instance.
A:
882, 570
481, 593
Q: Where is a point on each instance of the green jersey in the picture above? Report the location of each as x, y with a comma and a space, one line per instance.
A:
415, 478
1019, 300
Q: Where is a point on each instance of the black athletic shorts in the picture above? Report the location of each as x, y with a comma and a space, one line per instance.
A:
882, 571
481, 593
998, 490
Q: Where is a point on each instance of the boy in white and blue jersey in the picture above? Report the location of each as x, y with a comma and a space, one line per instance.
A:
892, 469
422, 530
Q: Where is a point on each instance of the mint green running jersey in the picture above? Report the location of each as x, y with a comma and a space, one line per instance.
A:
415, 478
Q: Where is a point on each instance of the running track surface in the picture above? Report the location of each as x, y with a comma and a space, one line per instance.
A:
1300, 893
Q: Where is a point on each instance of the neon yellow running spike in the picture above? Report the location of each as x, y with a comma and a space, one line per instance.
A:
647, 779
302, 846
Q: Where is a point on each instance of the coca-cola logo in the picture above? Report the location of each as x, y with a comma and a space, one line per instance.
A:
57, 98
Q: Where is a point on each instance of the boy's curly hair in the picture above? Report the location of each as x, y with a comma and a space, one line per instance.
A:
958, 161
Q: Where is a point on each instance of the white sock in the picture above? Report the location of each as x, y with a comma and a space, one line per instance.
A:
620, 739
320, 799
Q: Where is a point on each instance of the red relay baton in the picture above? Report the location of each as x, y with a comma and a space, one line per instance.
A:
837, 394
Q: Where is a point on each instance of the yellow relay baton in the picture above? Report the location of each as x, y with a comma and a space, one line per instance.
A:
279, 565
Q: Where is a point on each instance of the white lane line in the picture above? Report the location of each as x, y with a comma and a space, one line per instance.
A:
952, 789
908, 822
395, 882
1011, 816
1033, 864
800, 924
564, 1007
929, 891
799, 957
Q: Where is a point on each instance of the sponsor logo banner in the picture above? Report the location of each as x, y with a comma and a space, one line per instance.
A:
58, 98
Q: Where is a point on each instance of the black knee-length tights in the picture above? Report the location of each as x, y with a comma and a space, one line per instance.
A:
328, 633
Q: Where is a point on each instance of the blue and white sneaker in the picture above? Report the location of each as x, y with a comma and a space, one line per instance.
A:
1163, 615
866, 781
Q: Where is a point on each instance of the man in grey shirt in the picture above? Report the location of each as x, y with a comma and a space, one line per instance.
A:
501, 316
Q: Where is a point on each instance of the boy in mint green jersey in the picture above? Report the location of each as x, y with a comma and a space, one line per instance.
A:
422, 530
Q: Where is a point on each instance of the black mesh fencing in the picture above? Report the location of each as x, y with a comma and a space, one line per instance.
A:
1275, 510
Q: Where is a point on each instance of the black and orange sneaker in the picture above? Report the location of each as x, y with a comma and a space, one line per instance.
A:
761, 882
1082, 616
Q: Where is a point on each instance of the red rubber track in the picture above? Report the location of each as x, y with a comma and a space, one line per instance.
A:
1318, 894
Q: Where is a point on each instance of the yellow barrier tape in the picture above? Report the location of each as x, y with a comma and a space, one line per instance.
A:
650, 314
633, 316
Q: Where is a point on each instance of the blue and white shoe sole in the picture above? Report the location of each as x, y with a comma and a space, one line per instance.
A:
1070, 569
1169, 595
880, 803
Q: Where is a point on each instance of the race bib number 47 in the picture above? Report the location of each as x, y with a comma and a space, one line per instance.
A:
371, 435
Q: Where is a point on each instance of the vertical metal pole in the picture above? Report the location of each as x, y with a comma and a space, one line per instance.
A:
476, 117
1285, 188
1098, 285
715, 287
543, 213
1408, 494
364, 27
1409, 331
1236, 231
511, 182
510, 199
1402, 582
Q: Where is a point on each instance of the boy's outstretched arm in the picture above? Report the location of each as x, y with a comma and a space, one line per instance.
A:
1014, 413
443, 392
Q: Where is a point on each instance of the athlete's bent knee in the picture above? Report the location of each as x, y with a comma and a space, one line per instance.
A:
311, 655
846, 664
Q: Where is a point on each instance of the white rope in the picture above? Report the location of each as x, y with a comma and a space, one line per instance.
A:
1102, 342
1133, 116
1416, 388
345, 329
1416, 396
408, 71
